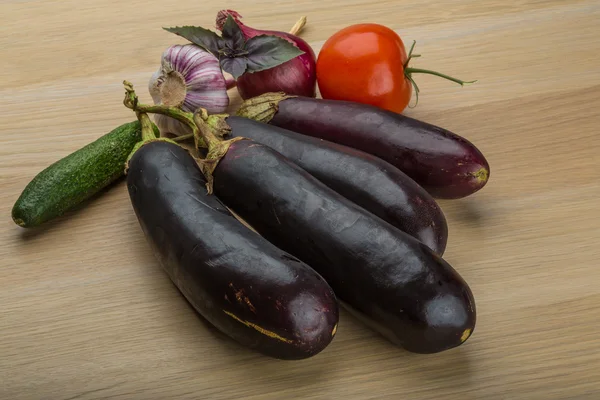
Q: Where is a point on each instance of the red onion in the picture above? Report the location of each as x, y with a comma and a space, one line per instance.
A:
295, 77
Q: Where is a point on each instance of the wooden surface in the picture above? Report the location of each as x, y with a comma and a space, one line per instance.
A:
87, 313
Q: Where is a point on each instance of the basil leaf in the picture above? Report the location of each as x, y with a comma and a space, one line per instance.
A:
204, 38
268, 51
235, 66
233, 35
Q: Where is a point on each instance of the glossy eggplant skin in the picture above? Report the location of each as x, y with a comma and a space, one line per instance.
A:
391, 280
368, 181
257, 294
447, 165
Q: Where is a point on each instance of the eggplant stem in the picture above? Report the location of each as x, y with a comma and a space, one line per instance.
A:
204, 130
131, 101
217, 147
183, 138
146, 124
147, 133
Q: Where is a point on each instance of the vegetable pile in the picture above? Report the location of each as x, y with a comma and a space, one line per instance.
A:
270, 217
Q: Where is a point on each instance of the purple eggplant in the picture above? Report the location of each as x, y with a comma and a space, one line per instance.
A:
398, 284
368, 181
447, 165
394, 282
259, 295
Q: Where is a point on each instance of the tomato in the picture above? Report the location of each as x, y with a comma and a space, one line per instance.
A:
368, 63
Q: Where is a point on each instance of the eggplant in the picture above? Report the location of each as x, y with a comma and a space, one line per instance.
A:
368, 181
447, 165
397, 284
257, 294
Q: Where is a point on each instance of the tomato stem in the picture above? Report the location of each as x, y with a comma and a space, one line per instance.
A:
412, 81
410, 54
408, 71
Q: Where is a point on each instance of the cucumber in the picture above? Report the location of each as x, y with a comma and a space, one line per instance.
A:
77, 177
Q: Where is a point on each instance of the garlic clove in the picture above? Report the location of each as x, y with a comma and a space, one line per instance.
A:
170, 126
153, 86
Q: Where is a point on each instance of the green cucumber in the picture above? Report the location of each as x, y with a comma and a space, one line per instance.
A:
77, 177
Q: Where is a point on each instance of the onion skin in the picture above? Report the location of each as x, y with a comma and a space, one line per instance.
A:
297, 76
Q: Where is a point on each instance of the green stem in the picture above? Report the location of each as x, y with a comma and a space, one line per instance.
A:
147, 128
212, 129
131, 101
409, 71
410, 54
412, 81
183, 138
412, 48
173, 112
205, 131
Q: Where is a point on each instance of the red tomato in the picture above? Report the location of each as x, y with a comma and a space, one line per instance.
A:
368, 63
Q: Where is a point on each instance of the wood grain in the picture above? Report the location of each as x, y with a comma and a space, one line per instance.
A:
87, 313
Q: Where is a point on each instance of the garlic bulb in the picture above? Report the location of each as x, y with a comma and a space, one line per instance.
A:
189, 78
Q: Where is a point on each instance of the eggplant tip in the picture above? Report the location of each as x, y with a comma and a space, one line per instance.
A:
481, 175
465, 335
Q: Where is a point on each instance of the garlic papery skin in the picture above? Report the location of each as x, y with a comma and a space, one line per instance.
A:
189, 78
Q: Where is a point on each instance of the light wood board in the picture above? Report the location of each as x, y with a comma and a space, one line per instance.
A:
87, 313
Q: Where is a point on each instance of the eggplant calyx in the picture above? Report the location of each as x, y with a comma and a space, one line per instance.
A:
218, 123
262, 108
148, 136
138, 145
211, 130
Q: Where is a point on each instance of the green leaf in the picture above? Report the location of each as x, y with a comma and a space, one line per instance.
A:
236, 66
204, 38
268, 51
233, 34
